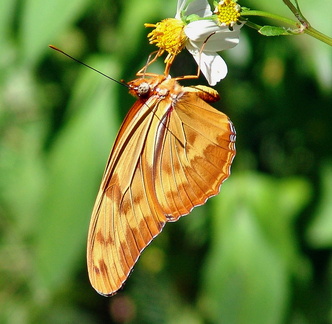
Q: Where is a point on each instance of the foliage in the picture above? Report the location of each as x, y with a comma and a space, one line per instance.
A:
259, 252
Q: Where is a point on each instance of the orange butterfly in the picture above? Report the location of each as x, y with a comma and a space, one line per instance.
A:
172, 152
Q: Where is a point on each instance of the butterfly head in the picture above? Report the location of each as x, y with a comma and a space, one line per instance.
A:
140, 89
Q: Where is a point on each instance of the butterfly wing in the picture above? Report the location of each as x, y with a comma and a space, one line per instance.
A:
123, 220
196, 156
172, 153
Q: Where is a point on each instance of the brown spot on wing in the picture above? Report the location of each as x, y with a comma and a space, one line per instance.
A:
96, 270
168, 169
100, 238
102, 269
191, 137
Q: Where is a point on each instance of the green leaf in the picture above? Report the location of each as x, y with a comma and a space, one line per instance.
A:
275, 31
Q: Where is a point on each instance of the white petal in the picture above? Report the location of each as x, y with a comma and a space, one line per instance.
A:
212, 66
198, 7
199, 30
215, 44
180, 8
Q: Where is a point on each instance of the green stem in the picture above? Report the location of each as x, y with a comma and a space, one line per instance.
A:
265, 14
253, 25
318, 35
298, 28
296, 12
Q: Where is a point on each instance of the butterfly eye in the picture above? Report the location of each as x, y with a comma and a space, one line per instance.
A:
143, 89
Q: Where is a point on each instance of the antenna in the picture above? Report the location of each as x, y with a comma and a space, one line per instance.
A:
88, 66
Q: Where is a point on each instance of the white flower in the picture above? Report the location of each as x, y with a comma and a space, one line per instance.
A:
199, 30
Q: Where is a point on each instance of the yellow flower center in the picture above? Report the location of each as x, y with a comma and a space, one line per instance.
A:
169, 36
228, 12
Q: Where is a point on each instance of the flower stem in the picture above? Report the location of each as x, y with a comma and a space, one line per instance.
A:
265, 14
296, 11
301, 26
318, 35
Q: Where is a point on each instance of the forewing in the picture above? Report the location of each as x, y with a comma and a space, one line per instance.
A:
124, 220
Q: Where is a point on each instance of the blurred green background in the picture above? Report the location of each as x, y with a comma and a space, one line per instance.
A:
260, 252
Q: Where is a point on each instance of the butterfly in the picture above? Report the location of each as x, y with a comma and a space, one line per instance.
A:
172, 152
